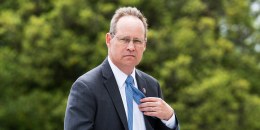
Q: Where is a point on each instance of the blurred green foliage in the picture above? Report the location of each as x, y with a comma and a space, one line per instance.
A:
204, 53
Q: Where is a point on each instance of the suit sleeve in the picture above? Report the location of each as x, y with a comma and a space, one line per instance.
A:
161, 125
80, 111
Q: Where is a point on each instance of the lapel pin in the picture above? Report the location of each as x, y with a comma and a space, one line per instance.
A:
144, 90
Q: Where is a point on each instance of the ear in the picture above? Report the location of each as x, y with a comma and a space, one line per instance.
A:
145, 46
108, 39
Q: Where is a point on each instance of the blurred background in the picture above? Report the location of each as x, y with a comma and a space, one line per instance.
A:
205, 54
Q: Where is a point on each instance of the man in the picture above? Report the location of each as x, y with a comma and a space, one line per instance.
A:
115, 95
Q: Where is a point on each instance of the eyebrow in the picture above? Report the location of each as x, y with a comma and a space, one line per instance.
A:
120, 36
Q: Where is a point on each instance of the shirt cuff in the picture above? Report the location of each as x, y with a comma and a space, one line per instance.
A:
171, 123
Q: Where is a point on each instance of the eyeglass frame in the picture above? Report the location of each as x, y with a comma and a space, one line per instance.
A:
125, 40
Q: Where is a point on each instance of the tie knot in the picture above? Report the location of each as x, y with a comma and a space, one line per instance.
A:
129, 80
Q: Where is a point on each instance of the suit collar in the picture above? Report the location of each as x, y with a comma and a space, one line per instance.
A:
106, 69
142, 86
112, 88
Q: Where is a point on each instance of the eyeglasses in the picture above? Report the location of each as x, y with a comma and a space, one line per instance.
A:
126, 40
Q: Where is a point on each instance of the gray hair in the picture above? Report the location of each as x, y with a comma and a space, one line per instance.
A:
127, 11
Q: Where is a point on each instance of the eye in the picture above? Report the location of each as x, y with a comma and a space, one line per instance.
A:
137, 41
125, 40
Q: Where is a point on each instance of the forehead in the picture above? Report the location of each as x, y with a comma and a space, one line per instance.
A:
130, 25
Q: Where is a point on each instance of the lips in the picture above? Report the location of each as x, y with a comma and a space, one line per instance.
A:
129, 55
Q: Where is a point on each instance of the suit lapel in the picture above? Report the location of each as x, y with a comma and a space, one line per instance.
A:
142, 86
112, 88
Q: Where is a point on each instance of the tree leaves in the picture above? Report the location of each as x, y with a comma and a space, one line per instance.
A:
202, 52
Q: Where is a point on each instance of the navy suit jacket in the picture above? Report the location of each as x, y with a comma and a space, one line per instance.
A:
95, 102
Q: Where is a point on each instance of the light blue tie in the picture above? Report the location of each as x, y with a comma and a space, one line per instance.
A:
131, 93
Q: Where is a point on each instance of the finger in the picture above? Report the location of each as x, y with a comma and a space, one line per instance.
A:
148, 104
151, 113
148, 109
150, 99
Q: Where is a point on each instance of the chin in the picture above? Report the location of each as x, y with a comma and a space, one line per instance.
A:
130, 64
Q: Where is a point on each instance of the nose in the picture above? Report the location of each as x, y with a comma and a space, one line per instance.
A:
131, 46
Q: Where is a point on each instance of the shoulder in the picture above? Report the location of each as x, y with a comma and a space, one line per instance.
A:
146, 76
150, 83
92, 76
87, 84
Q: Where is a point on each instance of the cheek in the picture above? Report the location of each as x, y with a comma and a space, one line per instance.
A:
140, 54
116, 50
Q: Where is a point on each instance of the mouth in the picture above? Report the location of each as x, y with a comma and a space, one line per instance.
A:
129, 56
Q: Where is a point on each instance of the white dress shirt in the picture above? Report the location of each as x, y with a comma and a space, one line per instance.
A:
138, 118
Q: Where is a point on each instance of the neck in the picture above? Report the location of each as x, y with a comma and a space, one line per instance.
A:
124, 68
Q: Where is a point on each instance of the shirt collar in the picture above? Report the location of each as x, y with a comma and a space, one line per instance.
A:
120, 76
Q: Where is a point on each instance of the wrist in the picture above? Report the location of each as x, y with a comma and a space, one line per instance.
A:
170, 115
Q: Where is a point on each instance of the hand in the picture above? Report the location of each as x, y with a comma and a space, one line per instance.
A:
153, 106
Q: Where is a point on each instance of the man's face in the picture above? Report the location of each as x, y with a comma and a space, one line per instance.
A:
126, 47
